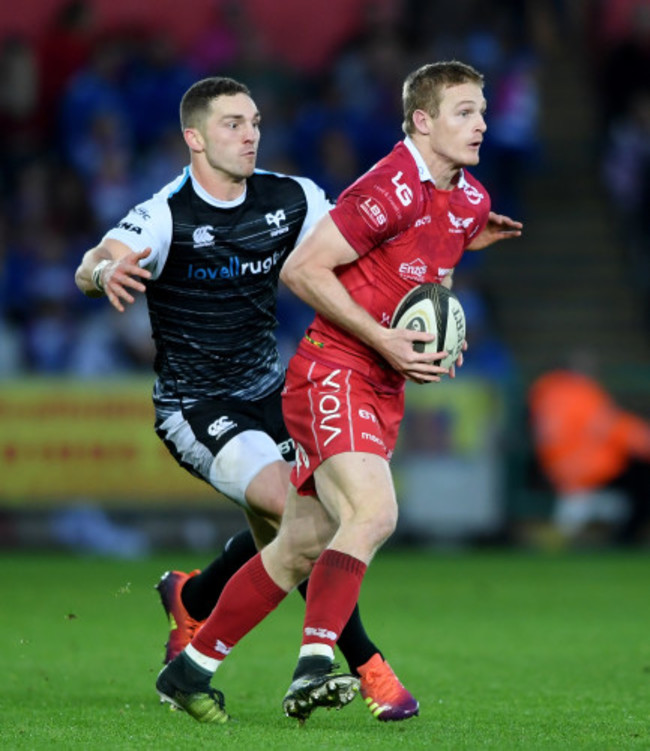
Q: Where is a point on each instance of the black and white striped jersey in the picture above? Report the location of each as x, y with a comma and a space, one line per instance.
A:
215, 268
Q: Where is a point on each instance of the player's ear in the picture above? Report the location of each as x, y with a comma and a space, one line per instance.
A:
193, 139
422, 121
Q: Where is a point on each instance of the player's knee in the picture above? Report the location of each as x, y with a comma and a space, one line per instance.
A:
295, 557
376, 527
266, 494
384, 524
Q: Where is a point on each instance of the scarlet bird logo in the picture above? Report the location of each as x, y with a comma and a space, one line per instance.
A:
458, 223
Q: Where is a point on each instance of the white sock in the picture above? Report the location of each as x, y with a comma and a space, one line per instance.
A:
316, 650
208, 664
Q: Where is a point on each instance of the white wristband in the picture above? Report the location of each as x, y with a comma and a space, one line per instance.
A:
97, 273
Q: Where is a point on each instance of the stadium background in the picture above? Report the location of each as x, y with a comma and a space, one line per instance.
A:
89, 94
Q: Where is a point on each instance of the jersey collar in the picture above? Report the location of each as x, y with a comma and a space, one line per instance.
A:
425, 174
208, 198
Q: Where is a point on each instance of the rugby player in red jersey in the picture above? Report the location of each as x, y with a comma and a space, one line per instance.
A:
406, 221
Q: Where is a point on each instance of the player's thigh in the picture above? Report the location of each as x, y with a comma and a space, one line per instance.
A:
356, 487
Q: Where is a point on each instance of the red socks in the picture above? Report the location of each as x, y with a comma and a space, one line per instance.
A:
248, 597
251, 595
332, 593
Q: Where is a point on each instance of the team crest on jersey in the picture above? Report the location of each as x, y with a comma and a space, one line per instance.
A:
458, 223
372, 212
413, 270
275, 219
473, 195
202, 236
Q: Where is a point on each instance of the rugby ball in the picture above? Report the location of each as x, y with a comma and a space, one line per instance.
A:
435, 309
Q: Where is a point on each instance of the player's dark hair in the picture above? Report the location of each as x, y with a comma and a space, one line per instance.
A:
424, 87
196, 101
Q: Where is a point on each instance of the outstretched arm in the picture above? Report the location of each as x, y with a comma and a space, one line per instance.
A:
111, 268
498, 227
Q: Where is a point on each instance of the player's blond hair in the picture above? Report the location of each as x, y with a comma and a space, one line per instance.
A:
424, 87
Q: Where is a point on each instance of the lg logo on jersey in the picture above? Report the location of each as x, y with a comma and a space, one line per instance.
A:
402, 190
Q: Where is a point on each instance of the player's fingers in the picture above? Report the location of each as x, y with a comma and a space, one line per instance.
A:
133, 284
421, 380
114, 300
412, 335
135, 270
426, 369
116, 294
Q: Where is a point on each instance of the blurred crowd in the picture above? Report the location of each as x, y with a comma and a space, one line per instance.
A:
620, 48
89, 126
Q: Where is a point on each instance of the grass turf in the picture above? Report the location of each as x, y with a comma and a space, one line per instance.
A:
504, 650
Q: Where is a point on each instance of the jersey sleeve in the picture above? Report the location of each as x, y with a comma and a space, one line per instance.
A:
318, 204
375, 208
147, 225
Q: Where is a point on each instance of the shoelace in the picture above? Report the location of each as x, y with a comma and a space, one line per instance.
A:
217, 696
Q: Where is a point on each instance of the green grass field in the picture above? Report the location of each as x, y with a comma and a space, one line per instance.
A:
505, 650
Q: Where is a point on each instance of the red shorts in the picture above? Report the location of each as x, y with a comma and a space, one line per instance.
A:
330, 410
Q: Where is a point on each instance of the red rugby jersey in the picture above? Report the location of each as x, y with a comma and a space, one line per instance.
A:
406, 232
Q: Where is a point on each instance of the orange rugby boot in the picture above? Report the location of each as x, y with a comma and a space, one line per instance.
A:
182, 625
382, 691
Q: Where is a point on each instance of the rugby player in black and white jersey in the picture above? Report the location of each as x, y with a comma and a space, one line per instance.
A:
207, 251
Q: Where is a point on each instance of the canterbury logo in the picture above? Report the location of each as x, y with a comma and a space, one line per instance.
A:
220, 426
203, 236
